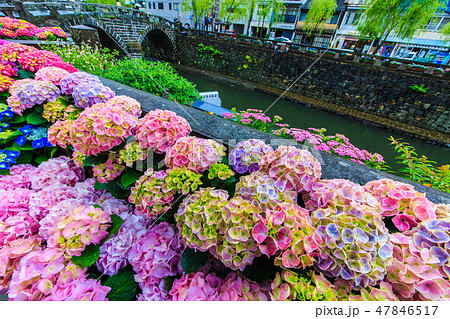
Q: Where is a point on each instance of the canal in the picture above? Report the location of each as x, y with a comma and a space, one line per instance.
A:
298, 115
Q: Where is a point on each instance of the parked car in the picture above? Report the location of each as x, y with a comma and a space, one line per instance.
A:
228, 34
281, 43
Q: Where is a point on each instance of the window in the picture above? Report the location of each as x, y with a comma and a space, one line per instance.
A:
433, 24
351, 18
176, 6
160, 6
170, 6
443, 23
154, 5
298, 38
321, 42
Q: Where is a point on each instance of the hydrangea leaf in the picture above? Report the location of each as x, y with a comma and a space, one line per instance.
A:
53, 152
116, 222
22, 74
24, 158
88, 257
95, 159
5, 172
123, 286
17, 119
41, 159
35, 118
191, 260
99, 185
130, 177
26, 147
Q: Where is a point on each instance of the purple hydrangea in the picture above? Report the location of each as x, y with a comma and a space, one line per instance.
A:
245, 157
71, 81
37, 92
89, 93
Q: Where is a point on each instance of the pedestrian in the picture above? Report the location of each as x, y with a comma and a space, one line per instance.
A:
119, 5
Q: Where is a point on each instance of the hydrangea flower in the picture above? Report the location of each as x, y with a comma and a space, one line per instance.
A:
355, 244
182, 180
156, 254
81, 227
51, 74
247, 154
54, 111
20, 178
160, 129
195, 287
153, 290
10, 256
220, 171
198, 217
131, 153
5, 33
263, 191
16, 226
237, 248
7, 158
59, 134
115, 251
99, 128
294, 169
71, 81
289, 286
442, 211
5, 82
287, 232
34, 60
150, 194
37, 92
400, 200
88, 94
384, 293
7, 70
194, 153
129, 104
236, 287
12, 51
109, 170
339, 193
16, 105
62, 65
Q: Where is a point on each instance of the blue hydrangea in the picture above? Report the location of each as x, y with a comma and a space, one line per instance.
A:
7, 157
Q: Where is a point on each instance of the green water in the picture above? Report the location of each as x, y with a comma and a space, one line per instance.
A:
298, 115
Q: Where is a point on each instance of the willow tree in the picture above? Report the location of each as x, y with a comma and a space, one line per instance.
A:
445, 31
269, 10
402, 18
319, 12
250, 12
232, 10
199, 8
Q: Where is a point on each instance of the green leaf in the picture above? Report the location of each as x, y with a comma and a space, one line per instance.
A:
130, 177
88, 257
191, 260
52, 153
99, 185
116, 222
123, 286
24, 158
17, 119
26, 147
5, 172
41, 159
93, 160
22, 74
35, 119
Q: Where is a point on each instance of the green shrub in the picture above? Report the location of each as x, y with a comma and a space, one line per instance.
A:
153, 77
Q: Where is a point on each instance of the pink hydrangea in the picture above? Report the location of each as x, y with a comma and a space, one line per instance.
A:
109, 170
62, 65
17, 84
59, 134
153, 290
160, 129
400, 200
5, 83
12, 51
5, 33
37, 92
10, 256
16, 226
25, 32
51, 74
194, 153
88, 94
296, 169
115, 251
7, 70
14, 201
129, 104
235, 287
196, 286
99, 128
106, 201
71, 81
17, 106
34, 60
20, 177
156, 254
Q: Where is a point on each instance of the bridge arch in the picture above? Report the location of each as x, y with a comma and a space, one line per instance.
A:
158, 42
108, 37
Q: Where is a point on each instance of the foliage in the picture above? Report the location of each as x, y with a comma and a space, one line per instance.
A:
156, 78
319, 13
269, 10
199, 8
203, 49
232, 10
421, 169
85, 57
418, 88
402, 18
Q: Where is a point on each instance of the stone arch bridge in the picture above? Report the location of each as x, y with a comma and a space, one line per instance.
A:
131, 32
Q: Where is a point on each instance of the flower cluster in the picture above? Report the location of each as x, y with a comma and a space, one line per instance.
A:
287, 232
14, 29
88, 94
109, 170
71, 81
194, 153
131, 153
5, 82
297, 169
37, 136
198, 216
129, 104
400, 200
34, 60
246, 155
54, 111
150, 194
12, 51
37, 92
220, 171
7, 70
51, 74
263, 191
196, 286
182, 180
7, 158
160, 130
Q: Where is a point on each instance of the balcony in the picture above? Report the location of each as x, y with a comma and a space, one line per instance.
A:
326, 26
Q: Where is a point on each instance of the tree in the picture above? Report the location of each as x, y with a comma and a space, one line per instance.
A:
319, 12
199, 8
445, 31
251, 12
232, 10
402, 18
268, 9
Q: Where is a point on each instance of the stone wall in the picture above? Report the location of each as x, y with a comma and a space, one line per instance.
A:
380, 91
